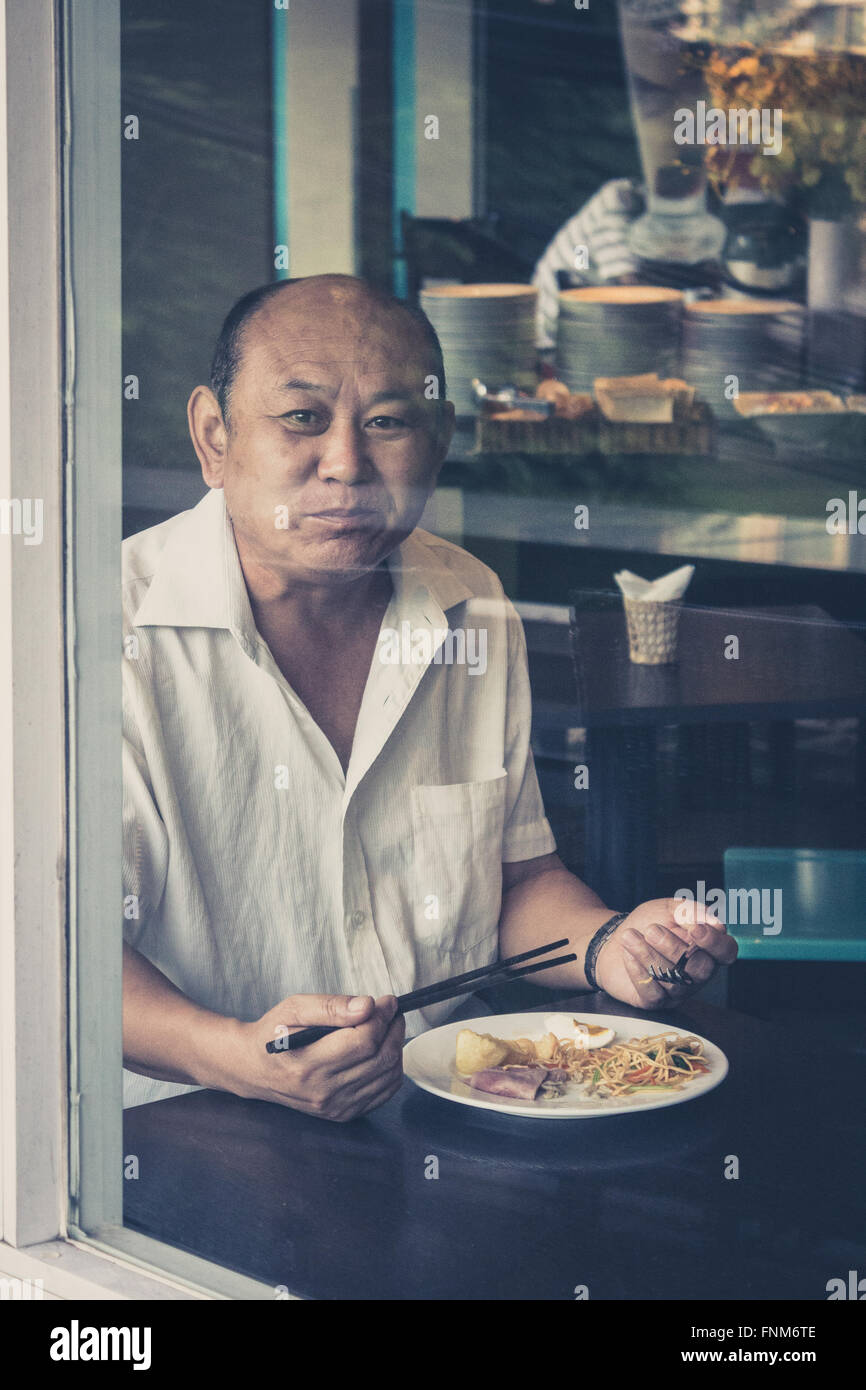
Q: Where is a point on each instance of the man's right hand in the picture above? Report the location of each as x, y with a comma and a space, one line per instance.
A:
339, 1077
166, 1035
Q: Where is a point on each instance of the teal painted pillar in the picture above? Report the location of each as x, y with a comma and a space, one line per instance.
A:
404, 127
280, 111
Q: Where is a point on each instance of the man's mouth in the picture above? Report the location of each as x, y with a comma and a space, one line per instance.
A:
345, 514
345, 511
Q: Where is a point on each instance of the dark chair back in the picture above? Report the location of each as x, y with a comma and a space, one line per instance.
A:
465, 251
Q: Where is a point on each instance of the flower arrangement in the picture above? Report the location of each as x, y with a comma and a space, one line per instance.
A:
822, 96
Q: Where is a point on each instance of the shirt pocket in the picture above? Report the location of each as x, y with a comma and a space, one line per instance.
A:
457, 835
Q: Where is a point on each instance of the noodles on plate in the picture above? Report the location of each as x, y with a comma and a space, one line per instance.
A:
663, 1062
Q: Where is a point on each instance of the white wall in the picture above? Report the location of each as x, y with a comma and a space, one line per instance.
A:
322, 76
443, 51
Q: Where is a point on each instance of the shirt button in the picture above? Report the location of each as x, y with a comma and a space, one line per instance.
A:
357, 918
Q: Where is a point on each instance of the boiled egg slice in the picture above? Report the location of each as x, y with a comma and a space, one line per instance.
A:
584, 1035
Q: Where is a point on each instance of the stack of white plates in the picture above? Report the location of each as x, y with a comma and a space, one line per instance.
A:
617, 330
486, 331
756, 341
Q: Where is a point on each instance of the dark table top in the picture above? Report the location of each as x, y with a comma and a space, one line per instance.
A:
633, 1206
793, 662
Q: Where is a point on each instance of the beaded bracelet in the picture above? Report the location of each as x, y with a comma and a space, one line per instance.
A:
595, 945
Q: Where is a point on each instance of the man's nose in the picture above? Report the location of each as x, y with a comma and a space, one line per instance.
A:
343, 453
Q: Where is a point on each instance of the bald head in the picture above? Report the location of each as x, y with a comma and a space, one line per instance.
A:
342, 298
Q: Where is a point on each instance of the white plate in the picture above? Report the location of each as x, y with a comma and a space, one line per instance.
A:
428, 1060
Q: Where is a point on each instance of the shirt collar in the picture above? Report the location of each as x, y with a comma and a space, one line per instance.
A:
419, 569
198, 580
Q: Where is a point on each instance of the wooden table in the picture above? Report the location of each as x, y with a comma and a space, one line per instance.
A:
792, 663
633, 1207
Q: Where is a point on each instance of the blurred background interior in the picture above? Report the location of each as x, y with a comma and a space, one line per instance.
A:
428, 144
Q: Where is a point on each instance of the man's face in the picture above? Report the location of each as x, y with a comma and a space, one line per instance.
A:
332, 448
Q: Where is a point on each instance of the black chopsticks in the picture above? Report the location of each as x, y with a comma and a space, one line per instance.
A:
497, 973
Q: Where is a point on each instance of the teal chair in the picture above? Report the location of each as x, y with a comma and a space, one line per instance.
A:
818, 896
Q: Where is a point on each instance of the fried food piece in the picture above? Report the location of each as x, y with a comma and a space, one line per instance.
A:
579, 404
788, 403
479, 1051
545, 1048
555, 391
521, 1053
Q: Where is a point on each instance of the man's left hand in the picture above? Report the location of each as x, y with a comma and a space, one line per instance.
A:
657, 934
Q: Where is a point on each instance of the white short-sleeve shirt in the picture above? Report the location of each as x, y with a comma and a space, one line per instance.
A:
253, 867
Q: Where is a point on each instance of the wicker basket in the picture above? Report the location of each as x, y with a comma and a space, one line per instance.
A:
692, 432
496, 434
652, 631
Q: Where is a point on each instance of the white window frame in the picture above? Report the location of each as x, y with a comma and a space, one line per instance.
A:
60, 649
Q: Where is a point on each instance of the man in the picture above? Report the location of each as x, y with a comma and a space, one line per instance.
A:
594, 242
329, 794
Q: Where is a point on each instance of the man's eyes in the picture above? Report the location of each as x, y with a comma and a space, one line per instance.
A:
311, 418
301, 417
390, 422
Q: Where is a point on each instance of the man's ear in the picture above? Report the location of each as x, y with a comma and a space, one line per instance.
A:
208, 433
